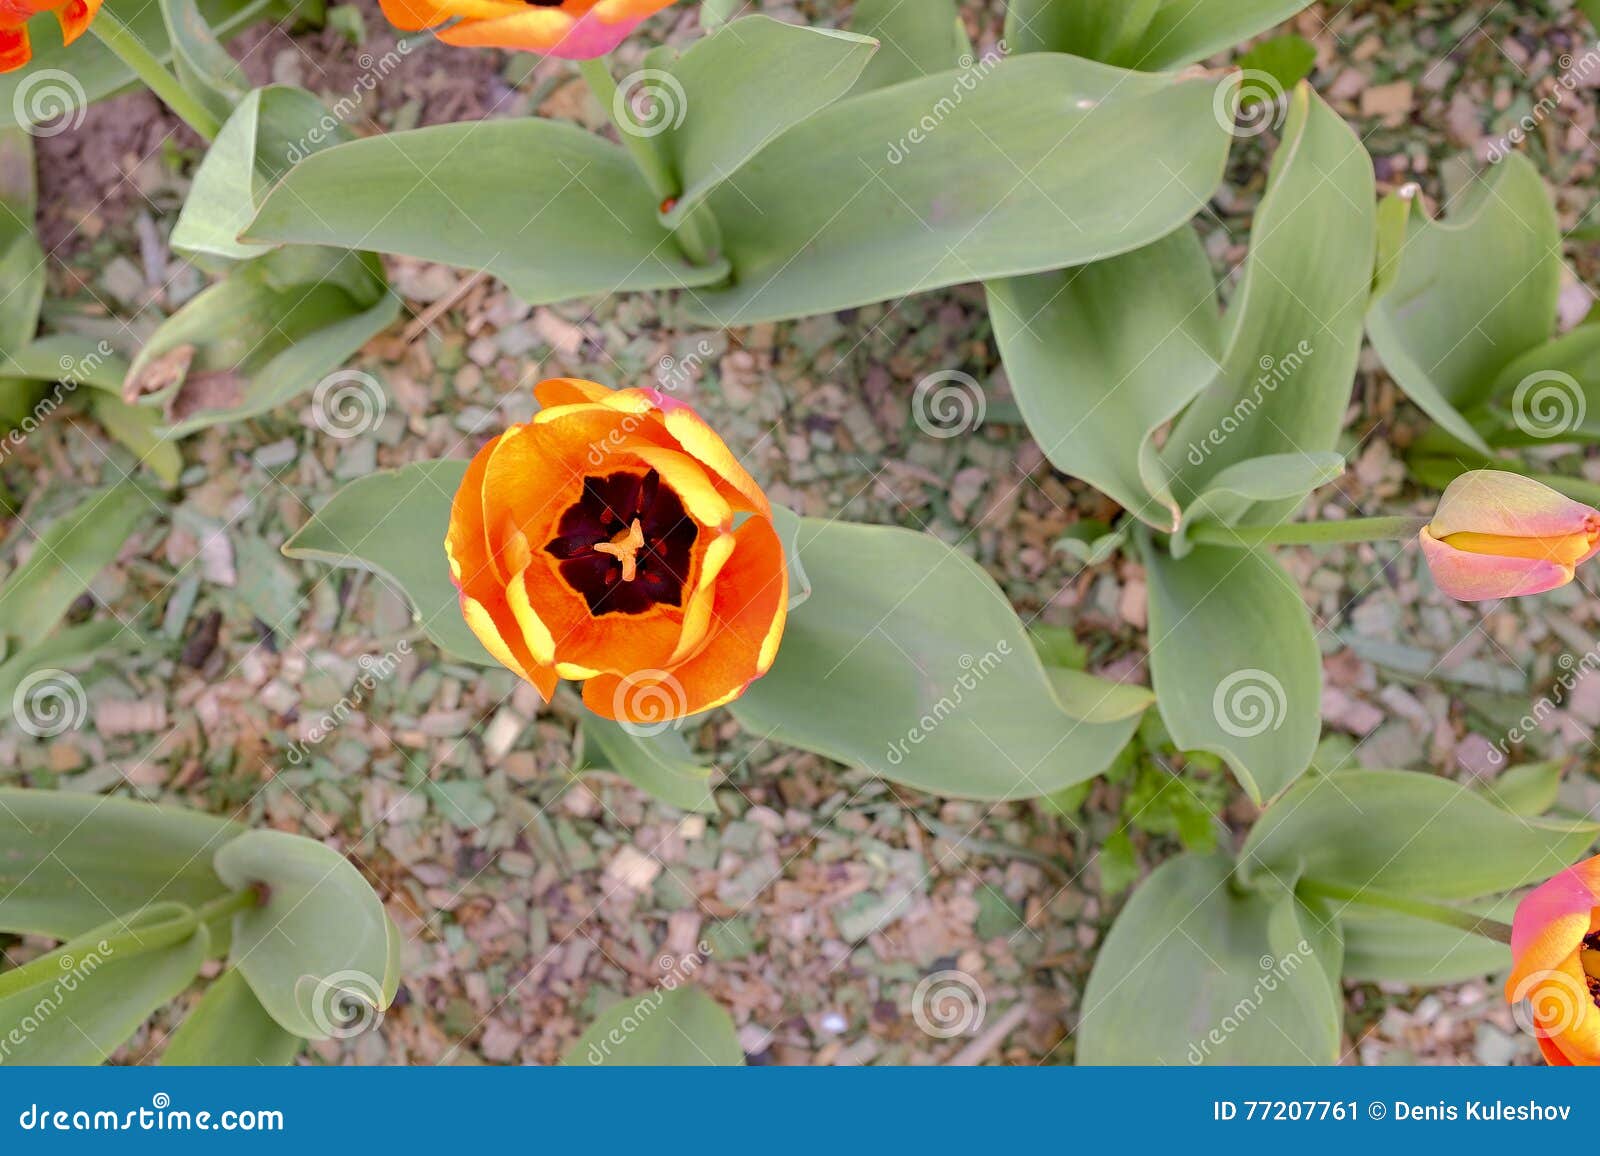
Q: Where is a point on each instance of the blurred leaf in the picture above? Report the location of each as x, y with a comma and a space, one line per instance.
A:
65, 647
551, 209
1101, 355
1196, 970
925, 675
65, 559
21, 258
1286, 59
71, 858
660, 764
914, 39
671, 1027
319, 953
393, 523
1235, 662
1118, 863
1409, 833
1470, 295
1295, 321
1529, 789
1550, 394
229, 1027
1151, 35
139, 429
203, 66
735, 91
1384, 947
65, 357
787, 524
864, 201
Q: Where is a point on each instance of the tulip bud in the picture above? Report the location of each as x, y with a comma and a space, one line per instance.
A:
1498, 534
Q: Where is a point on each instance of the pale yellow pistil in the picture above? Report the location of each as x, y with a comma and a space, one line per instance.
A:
625, 548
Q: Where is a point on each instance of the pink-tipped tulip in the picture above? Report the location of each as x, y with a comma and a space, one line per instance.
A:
1501, 535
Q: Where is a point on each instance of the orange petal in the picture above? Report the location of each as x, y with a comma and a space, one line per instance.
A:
1476, 577
498, 630
466, 542
1501, 502
618, 11
412, 15
554, 391
551, 31
14, 49
75, 17
702, 443
1553, 1055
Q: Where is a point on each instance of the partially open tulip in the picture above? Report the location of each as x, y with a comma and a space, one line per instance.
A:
570, 29
1555, 949
15, 51
616, 539
1500, 535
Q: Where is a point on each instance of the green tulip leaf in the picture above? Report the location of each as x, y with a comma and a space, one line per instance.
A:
908, 660
21, 258
1235, 662
140, 430
203, 66
1550, 394
1197, 970
667, 1027
1385, 947
914, 39
658, 763
1239, 488
68, 358
1150, 35
1529, 789
229, 1027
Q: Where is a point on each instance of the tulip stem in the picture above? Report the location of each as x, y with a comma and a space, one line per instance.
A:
122, 40
691, 232
1405, 905
1310, 533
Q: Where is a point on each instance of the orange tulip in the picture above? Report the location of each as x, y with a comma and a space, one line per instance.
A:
570, 29
1555, 949
15, 51
1500, 535
599, 542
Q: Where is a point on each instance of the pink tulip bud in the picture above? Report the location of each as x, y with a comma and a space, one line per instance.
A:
1500, 535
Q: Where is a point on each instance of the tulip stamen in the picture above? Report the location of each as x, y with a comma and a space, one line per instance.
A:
625, 549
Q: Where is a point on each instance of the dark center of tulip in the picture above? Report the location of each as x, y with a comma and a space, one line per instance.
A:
544, 3
625, 544
1589, 957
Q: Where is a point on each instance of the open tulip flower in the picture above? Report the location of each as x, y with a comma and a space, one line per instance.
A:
598, 542
1498, 534
570, 29
1555, 948
15, 51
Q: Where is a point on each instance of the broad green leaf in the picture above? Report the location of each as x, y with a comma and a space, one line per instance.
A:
319, 953
21, 258
229, 1027
734, 91
550, 209
271, 129
269, 331
1146, 34
1384, 947
60, 81
1239, 488
787, 523
1470, 294
140, 430
915, 38
96, 996
667, 1027
66, 647
1101, 355
393, 523
927, 183
203, 66
1235, 662
69, 862
67, 358
1280, 63
1549, 394
65, 559
1410, 833
658, 763
908, 660
1529, 789
1197, 970
1295, 322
